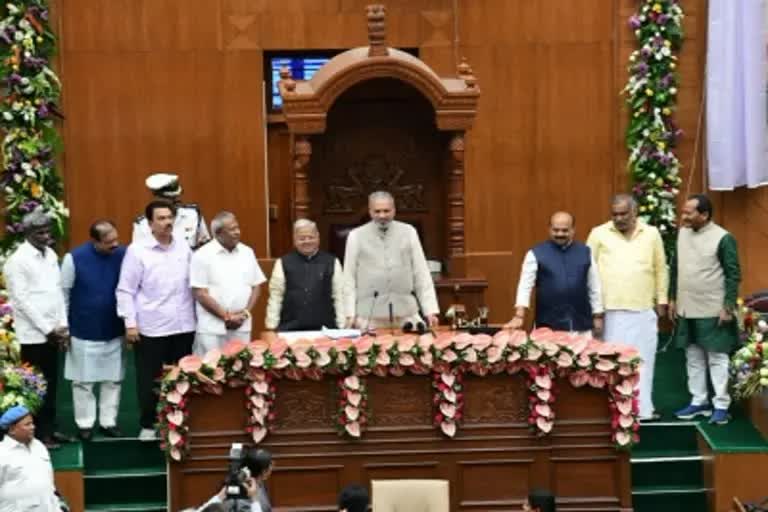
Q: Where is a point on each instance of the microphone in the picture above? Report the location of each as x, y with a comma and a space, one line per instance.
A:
368, 329
391, 317
423, 326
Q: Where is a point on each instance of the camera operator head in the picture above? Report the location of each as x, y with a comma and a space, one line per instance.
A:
353, 498
259, 463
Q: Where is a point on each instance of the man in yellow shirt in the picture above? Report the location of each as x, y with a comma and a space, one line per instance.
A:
634, 279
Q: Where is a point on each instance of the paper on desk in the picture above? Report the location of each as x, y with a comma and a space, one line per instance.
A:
341, 333
291, 336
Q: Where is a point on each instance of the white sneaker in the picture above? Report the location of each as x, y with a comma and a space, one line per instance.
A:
147, 434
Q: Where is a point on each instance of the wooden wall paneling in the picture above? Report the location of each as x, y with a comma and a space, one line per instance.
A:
279, 163
70, 485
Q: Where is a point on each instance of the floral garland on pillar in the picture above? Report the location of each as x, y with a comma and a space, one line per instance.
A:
652, 98
29, 108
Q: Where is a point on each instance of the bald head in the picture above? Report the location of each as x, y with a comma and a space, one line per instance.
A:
561, 228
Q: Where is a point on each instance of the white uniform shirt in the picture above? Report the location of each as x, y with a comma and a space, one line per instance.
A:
229, 277
34, 290
189, 225
26, 477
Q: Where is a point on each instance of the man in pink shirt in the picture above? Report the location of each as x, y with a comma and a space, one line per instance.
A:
155, 302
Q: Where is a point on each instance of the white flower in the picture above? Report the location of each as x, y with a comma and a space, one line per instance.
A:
17, 105
12, 9
673, 90
25, 24
758, 336
666, 51
18, 35
7, 116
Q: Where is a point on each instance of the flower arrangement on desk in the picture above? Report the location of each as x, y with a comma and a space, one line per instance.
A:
21, 384
749, 365
352, 412
543, 356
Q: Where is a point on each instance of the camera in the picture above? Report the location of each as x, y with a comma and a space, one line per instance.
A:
236, 495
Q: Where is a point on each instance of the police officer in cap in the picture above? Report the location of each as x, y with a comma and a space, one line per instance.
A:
189, 223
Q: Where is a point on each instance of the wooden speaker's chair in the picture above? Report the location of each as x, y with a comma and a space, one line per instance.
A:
410, 496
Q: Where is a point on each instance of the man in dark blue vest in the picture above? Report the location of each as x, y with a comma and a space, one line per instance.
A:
566, 280
89, 275
306, 287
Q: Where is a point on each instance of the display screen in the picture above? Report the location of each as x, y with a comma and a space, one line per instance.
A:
302, 68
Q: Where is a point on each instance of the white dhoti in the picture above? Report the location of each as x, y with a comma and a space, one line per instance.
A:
206, 341
638, 329
87, 363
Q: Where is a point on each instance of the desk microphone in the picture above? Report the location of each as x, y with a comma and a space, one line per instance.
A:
391, 317
423, 326
368, 330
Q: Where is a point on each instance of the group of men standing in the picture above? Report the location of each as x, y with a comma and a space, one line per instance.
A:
618, 285
172, 292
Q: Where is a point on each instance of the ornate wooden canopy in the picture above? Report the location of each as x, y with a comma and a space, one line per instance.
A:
306, 102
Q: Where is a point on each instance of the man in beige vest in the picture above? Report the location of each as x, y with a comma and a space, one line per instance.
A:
387, 278
704, 289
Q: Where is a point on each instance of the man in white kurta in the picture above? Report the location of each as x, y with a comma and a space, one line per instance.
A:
40, 318
388, 283
89, 276
225, 278
26, 473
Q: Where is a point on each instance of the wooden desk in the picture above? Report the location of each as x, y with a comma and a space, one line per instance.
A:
491, 464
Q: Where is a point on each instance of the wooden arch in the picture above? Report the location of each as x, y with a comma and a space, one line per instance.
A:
306, 104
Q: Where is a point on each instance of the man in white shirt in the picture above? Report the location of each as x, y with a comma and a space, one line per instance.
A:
40, 316
26, 473
566, 280
225, 279
388, 283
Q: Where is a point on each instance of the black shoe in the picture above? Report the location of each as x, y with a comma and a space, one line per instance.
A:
62, 438
85, 434
111, 431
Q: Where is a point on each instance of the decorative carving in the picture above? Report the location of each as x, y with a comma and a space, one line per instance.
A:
372, 174
302, 152
439, 23
242, 32
495, 399
456, 196
304, 404
287, 80
377, 30
465, 72
401, 401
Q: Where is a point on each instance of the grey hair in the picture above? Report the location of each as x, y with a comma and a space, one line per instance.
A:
36, 219
304, 223
218, 221
381, 194
624, 198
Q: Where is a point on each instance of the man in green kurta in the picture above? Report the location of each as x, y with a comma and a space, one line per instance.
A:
704, 286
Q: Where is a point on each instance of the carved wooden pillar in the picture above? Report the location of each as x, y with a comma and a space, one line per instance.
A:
456, 196
377, 30
302, 152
